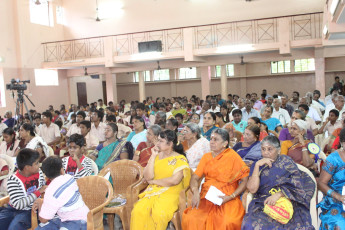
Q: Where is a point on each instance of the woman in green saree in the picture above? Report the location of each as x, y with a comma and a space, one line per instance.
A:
112, 149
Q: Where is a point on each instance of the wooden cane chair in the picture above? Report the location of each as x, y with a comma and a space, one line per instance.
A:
125, 174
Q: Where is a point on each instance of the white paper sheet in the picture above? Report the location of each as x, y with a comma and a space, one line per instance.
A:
213, 195
107, 176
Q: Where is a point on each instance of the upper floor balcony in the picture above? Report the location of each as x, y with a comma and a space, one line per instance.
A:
190, 43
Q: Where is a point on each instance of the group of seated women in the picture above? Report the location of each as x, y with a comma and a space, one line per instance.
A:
258, 164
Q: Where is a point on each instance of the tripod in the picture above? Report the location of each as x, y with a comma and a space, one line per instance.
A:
19, 107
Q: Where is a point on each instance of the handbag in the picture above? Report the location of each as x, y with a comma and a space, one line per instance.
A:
282, 211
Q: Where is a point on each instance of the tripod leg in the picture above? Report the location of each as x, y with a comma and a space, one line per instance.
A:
26, 107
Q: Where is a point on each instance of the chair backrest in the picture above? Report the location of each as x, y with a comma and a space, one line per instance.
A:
94, 167
313, 210
123, 174
97, 193
10, 163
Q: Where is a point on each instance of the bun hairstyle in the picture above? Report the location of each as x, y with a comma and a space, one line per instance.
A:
10, 132
255, 130
30, 128
170, 136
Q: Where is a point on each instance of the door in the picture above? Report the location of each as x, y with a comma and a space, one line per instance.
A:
81, 92
104, 86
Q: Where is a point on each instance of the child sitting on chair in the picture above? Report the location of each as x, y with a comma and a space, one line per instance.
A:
62, 197
77, 164
24, 187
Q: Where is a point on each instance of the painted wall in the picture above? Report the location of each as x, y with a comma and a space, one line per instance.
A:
93, 88
126, 16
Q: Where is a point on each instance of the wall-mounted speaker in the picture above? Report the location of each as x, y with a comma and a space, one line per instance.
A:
151, 46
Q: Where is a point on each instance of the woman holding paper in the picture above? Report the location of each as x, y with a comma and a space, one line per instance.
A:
331, 183
167, 174
271, 178
223, 169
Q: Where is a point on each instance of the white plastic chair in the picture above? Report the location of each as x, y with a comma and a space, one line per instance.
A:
94, 167
313, 211
10, 164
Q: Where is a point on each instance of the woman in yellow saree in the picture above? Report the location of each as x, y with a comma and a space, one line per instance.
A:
167, 174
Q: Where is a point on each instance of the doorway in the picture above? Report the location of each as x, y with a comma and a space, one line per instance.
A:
82, 94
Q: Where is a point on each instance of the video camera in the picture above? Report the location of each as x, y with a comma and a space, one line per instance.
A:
17, 85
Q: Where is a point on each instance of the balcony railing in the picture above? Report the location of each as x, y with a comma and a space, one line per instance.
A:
258, 31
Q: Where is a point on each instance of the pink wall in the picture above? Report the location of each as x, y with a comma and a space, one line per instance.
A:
147, 15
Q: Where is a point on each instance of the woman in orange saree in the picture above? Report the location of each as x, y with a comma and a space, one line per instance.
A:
223, 168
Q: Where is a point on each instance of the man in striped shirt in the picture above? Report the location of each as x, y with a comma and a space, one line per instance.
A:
24, 187
77, 165
62, 197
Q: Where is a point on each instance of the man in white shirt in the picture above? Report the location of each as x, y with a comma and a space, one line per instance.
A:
313, 113
74, 110
338, 105
75, 128
281, 114
91, 141
49, 131
310, 122
214, 106
98, 127
248, 111
332, 123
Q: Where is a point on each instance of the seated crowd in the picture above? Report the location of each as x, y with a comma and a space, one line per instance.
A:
221, 151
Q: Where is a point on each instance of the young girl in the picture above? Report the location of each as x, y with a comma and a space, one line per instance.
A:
10, 144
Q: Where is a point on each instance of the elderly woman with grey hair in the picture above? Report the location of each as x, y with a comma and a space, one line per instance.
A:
144, 149
194, 145
297, 148
273, 177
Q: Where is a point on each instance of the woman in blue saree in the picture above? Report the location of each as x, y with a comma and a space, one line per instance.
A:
331, 183
208, 125
139, 133
250, 149
279, 172
112, 149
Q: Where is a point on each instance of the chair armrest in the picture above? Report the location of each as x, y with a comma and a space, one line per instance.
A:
34, 217
249, 199
4, 200
133, 191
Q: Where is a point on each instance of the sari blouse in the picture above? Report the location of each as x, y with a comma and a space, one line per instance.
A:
164, 168
223, 171
295, 151
145, 153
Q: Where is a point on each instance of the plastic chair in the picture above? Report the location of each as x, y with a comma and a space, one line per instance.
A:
10, 164
94, 167
125, 175
97, 193
313, 211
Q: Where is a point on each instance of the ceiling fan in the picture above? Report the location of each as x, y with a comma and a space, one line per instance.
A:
97, 12
38, 2
86, 74
159, 67
242, 61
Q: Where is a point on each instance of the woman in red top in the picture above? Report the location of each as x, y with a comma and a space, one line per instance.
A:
144, 149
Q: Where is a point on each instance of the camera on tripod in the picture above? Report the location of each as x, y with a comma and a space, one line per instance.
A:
17, 85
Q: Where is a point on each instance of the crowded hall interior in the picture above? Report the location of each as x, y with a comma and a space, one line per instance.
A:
172, 114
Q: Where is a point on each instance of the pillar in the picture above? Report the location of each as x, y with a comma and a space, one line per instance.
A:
223, 82
320, 81
142, 96
110, 80
243, 80
205, 72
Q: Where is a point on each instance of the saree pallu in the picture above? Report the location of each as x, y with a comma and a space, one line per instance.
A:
224, 172
296, 185
333, 214
111, 153
158, 204
250, 153
145, 155
207, 134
